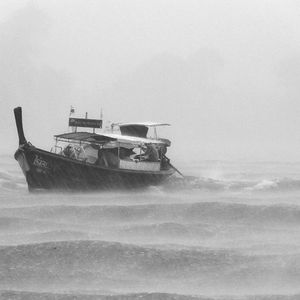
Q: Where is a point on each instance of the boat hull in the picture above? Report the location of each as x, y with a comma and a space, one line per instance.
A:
47, 170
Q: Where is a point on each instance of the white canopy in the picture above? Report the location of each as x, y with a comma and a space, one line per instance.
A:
148, 124
110, 138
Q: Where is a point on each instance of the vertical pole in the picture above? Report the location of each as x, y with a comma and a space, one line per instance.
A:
119, 153
70, 114
160, 150
140, 153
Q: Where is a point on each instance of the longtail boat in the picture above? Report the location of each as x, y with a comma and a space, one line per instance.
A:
85, 160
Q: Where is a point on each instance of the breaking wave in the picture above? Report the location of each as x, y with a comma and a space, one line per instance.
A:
209, 184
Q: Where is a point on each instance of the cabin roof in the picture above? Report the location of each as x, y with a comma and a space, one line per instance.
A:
80, 136
148, 124
138, 129
110, 137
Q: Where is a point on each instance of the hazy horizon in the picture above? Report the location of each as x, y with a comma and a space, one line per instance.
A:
224, 73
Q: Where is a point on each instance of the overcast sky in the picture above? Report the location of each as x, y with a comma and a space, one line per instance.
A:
225, 74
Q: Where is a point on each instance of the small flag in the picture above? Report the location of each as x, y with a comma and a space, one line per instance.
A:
72, 110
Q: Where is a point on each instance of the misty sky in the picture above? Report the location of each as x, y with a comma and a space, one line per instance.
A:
225, 74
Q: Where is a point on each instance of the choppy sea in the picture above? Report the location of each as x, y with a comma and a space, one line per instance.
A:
230, 230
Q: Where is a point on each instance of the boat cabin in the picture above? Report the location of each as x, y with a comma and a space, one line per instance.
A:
126, 147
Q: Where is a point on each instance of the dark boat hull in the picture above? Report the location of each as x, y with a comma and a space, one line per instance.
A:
47, 170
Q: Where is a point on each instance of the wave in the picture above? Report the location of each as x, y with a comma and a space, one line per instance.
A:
39, 237
210, 212
74, 296
98, 263
26, 295
210, 184
11, 180
16, 224
167, 231
259, 239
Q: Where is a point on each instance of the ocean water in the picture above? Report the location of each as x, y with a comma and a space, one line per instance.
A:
230, 230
